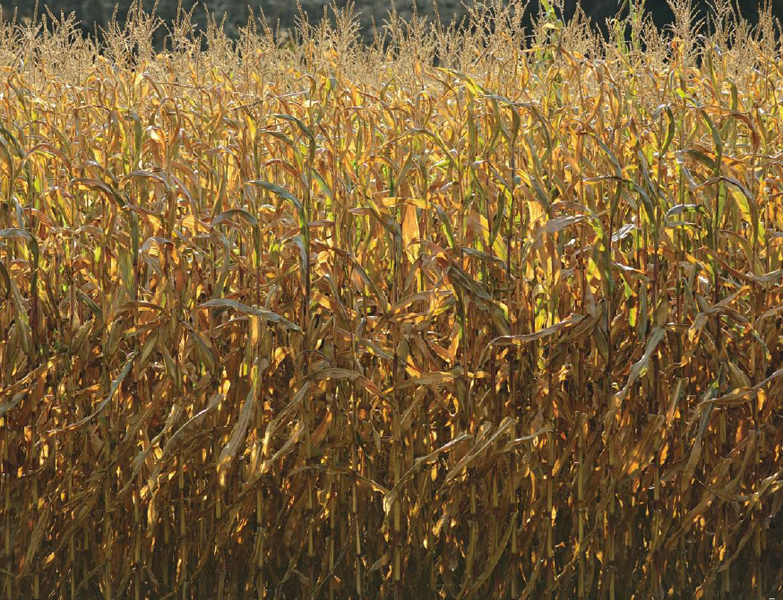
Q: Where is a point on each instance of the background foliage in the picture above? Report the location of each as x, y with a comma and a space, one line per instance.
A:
93, 15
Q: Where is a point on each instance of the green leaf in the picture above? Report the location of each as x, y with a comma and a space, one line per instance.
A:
94, 308
292, 119
4, 408
444, 220
6, 280
14, 232
715, 138
226, 215
261, 313
100, 186
115, 385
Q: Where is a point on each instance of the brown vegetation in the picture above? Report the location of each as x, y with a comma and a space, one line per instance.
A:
330, 322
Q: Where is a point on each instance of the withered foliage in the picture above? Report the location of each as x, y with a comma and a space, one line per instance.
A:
322, 321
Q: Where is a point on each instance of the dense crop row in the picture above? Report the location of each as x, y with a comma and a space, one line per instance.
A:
333, 322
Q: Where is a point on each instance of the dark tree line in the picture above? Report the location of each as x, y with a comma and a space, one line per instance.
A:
95, 14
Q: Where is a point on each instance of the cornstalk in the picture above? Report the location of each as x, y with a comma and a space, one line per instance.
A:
182, 574
514, 497
580, 518
7, 480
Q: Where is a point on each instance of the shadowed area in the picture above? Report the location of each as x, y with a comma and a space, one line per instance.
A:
92, 15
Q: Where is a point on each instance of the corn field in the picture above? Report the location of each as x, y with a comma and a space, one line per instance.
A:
469, 313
